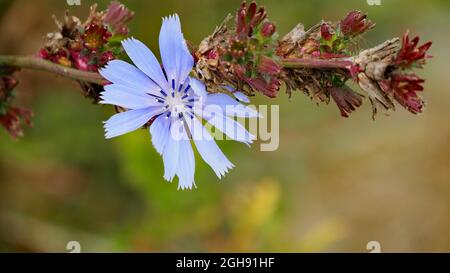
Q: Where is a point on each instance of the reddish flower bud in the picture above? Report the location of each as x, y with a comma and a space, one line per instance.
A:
411, 54
346, 99
269, 88
106, 57
405, 88
212, 54
355, 23
8, 83
43, 54
268, 29
248, 18
13, 119
326, 32
83, 62
117, 16
268, 66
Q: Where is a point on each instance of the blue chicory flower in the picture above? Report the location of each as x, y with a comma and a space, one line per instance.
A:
175, 102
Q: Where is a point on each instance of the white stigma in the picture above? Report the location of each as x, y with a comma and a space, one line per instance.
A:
175, 104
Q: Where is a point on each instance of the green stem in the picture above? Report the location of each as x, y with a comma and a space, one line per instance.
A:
35, 63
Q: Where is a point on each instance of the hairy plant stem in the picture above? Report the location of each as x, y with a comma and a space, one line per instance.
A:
316, 63
35, 63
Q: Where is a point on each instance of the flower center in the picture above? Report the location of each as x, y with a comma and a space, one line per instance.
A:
178, 101
175, 103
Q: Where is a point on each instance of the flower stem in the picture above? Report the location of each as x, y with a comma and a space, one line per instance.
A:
316, 63
35, 63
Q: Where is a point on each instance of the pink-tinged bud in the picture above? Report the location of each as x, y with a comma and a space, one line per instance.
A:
13, 119
7, 84
43, 54
212, 54
82, 62
346, 99
10, 82
106, 57
241, 18
248, 18
268, 29
355, 23
269, 88
410, 54
326, 32
268, 66
117, 16
354, 70
251, 11
405, 88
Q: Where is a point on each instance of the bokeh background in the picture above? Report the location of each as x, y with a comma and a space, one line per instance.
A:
333, 185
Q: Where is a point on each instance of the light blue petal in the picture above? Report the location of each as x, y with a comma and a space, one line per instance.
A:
198, 87
238, 95
175, 55
208, 148
235, 108
172, 150
241, 97
126, 97
123, 73
144, 59
128, 121
231, 128
186, 165
160, 131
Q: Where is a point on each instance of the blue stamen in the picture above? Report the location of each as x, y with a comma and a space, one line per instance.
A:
155, 96
185, 96
180, 87
164, 93
187, 88
173, 84
168, 114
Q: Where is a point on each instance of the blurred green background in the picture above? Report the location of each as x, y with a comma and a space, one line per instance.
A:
334, 184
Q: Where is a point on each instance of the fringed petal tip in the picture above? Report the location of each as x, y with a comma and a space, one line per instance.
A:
191, 186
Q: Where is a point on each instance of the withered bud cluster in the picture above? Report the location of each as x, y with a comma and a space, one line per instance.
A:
88, 45
11, 118
320, 61
242, 55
